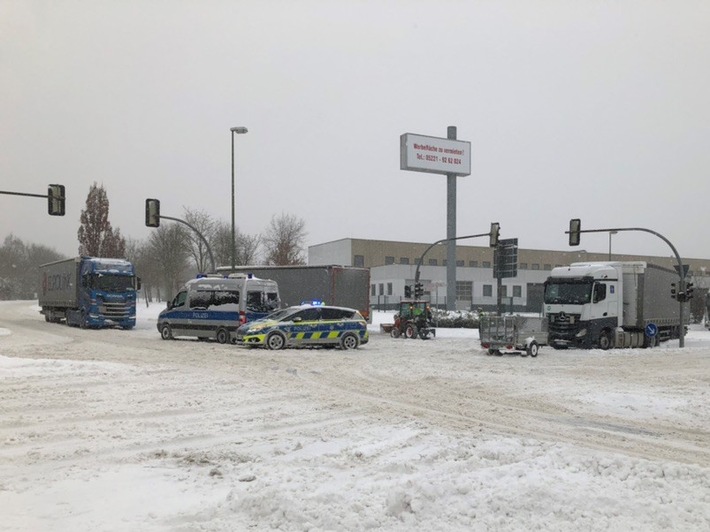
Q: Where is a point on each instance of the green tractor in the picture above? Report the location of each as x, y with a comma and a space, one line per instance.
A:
412, 320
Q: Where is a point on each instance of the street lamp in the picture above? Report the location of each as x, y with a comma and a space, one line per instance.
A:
611, 233
238, 131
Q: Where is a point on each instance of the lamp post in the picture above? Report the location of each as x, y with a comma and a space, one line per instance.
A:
611, 233
239, 131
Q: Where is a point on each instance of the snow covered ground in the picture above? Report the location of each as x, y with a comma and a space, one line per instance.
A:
119, 430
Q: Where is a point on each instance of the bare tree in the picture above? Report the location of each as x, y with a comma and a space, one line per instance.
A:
169, 252
246, 247
204, 223
19, 267
96, 236
284, 240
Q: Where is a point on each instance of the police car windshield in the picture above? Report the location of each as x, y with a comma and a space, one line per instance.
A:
280, 314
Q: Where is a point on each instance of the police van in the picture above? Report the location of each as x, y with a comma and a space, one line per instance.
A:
215, 307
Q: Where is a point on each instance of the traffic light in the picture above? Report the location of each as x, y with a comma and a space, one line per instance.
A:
495, 231
407, 291
418, 290
575, 228
673, 291
152, 213
688, 291
56, 200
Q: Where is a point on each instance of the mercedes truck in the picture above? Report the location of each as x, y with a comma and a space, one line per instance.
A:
611, 304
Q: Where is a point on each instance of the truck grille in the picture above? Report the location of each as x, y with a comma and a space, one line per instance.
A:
563, 323
114, 310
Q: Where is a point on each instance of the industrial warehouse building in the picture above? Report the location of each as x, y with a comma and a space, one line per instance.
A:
393, 266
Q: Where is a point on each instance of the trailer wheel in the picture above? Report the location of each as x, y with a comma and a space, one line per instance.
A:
410, 331
395, 332
275, 341
349, 341
222, 336
166, 332
605, 340
424, 334
532, 349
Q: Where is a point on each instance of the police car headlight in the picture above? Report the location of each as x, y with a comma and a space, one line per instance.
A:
256, 328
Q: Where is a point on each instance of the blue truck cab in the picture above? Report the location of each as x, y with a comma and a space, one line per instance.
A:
89, 292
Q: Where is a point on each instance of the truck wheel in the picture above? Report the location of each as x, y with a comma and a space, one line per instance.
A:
532, 349
275, 341
166, 333
605, 340
223, 336
349, 341
410, 331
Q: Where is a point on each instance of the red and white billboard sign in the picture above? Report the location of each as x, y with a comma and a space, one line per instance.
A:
435, 155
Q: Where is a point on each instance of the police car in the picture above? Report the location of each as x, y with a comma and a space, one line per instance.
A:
306, 326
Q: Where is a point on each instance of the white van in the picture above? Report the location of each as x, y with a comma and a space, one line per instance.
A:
215, 307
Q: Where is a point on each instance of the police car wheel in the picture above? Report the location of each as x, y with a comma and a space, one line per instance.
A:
166, 332
349, 341
223, 336
275, 341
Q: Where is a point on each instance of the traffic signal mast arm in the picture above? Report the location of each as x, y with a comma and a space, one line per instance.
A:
55, 196
493, 233
575, 228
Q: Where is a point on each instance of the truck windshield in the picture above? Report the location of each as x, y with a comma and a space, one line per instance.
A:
568, 292
112, 283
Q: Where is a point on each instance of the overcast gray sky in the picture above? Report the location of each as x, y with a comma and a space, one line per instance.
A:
591, 109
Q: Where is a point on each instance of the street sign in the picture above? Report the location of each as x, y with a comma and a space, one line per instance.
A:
505, 259
651, 330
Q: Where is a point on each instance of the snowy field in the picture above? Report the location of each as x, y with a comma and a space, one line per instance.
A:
118, 430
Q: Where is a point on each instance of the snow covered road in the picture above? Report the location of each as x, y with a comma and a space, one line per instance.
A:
119, 430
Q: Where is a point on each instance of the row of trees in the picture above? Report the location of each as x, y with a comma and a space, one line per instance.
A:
172, 253
19, 267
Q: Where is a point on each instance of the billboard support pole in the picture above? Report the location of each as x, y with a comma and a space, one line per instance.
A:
451, 232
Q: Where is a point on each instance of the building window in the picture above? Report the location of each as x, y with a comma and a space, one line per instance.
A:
418, 260
373, 290
389, 289
464, 290
535, 266
404, 260
433, 262
548, 266
487, 290
382, 289
517, 291
503, 291
486, 264
389, 260
473, 263
523, 266
443, 262
359, 261
459, 263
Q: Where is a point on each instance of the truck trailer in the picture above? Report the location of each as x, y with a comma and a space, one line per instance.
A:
342, 286
611, 304
89, 292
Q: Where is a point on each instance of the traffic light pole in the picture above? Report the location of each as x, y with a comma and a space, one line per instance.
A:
681, 272
209, 250
60, 199
421, 259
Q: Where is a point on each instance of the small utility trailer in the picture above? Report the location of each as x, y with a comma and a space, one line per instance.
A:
514, 334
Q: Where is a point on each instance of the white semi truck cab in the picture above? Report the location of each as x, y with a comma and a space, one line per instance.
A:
610, 304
